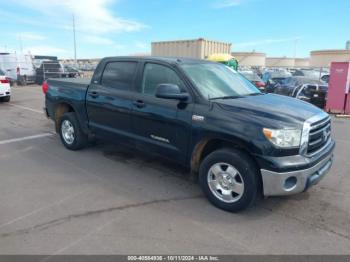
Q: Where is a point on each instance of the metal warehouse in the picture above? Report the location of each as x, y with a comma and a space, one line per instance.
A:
196, 48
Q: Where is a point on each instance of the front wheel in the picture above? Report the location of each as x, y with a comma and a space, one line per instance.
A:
72, 136
229, 179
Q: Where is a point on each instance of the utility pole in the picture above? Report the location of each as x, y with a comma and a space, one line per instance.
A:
295, 47
20, 43
75, 45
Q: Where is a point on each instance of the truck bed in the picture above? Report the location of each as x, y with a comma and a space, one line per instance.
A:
69, 82
68, 91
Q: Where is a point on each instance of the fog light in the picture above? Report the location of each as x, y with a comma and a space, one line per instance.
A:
290, 183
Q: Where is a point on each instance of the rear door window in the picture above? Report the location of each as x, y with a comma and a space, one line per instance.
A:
119, 75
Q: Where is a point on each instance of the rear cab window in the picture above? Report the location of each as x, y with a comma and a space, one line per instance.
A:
119, 75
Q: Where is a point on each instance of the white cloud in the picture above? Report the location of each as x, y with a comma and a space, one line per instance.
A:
226, 3
45, 50
92, 16
264, 42
30, 36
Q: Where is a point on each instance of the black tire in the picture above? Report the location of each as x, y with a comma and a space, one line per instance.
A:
248, 173
6, 99
80, 139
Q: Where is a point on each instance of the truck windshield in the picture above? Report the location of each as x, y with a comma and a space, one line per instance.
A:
215, 81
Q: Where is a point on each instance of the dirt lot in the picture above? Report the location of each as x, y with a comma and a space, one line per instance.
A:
107, 200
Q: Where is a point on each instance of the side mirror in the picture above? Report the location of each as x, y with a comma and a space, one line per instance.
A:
170, 91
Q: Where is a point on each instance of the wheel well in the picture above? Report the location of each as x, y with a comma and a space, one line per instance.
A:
60, 109
206, 146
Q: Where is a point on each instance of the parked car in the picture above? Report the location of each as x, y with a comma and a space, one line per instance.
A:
18, 67
325, 78
69, 71
288, 86
254, 79
308, 73
5, 89
314, 93
48, 69
274, 78
204, 116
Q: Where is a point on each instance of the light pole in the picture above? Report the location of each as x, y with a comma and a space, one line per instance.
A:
75, 44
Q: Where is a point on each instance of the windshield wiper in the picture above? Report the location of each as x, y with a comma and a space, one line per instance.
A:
255, 94
225, 97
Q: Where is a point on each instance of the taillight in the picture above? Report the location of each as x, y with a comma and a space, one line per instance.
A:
260, 84
45, 87
4, 81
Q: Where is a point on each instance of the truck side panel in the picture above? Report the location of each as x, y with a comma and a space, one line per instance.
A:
68, 93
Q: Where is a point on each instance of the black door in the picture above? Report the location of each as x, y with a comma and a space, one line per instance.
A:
161, 125
109, 100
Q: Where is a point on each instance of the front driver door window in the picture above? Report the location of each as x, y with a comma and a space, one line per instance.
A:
155, 74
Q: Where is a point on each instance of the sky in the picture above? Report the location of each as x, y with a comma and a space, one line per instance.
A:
126, 27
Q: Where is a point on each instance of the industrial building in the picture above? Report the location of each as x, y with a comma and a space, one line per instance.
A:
288, 62
250, 58
301, 62
323, 58
280, 62
196, 48
202, 48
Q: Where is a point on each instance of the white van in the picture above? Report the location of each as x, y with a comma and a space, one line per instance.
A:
5, 89
18, 67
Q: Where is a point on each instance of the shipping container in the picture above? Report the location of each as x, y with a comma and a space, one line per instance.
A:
196, 48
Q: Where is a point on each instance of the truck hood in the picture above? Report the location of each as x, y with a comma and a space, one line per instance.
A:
270, 106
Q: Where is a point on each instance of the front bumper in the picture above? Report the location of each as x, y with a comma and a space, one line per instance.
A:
5, 91
293, 182
5, 94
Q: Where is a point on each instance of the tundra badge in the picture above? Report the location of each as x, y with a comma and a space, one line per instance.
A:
160, 138
197, 118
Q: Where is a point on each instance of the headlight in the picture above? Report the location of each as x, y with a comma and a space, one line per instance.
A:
283, 138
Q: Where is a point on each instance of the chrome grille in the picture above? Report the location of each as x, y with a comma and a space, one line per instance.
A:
319, 135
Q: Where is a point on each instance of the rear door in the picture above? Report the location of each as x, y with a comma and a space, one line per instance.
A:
160, 125
109, 100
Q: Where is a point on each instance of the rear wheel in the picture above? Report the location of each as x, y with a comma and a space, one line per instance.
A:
229, 179
71, 134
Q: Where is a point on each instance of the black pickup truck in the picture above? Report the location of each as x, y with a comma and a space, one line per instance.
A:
205, 116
